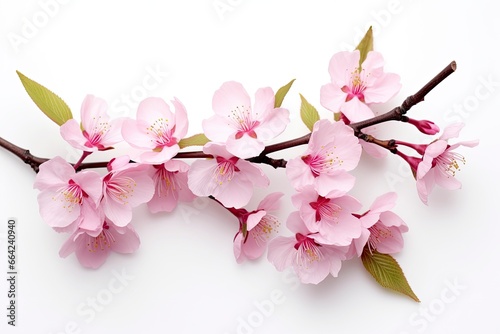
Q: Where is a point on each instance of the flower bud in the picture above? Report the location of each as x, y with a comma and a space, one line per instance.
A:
424, 126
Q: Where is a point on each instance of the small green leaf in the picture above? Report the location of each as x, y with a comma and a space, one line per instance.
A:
48, 102
365, 46
281, 93
308, 113
195, 140
387, 272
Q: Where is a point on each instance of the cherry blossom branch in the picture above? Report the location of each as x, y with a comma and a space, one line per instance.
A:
396, 114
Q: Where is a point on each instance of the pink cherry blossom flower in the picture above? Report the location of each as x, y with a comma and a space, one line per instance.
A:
440, 163
330, 217
96, 132
256, 229
242, 128
126, 186
157, 131
382, 229
68, 199
92, 250
170, 179
227, 178
333, 150
354, 88
311, 260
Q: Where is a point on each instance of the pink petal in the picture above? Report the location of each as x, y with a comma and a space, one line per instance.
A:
384, 202
273, 124
452, 131
217, 150
264, 103
72, 133
446, 181
295, 223
253, 173
372, 66
270, 202
281, 252
332, 97
153, 108
244, 147
356, 111
229, 96
234, 194
126, 241
55, 211
120, 214
157, 158
200, 177
335, 185
254, 219
252, 249
299, 173
92, 112
181, 119
91, 184
342, 64
314, 271
55, 172
216, 128
237, 244
383, 89
136, 134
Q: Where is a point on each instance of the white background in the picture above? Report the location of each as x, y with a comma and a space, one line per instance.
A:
184, 278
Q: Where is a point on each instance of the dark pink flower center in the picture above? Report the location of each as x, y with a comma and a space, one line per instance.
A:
378, 233
102, 242
356, 87
225, 169
308, 248
326, 210
166, 182
241, 119
96, 133
161, 133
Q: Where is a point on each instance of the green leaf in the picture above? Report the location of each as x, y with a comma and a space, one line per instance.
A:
195, 140
308, 113
48, 102
281, 93
387, 272
365, 46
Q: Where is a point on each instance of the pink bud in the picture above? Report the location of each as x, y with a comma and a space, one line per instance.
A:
424, 126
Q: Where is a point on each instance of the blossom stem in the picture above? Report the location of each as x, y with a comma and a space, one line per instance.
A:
396, 114
79, 162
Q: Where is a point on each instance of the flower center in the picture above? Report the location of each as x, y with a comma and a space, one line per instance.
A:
378, 233
241, 119
96, 132
356, 87
70, 196
309, 250
166, 182
326, 210
161, 133
225, 170
103, 241
120, 188
267, 227
448, 163
324, 161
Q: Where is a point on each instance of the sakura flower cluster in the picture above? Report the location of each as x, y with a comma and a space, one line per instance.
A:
327, 226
